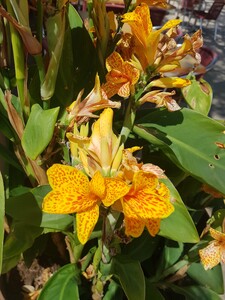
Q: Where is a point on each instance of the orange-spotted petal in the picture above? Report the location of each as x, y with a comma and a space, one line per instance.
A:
59, 175
115, 189
147, 205
85, 223
97, 185
210, 256
144, 179
217, 235
153, 226
69, 199
133, 227
114, 61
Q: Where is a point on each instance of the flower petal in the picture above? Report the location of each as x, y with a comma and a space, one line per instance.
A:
217, 235
115, 189
59, 175
86, 222
147, 206
134, 227
97, 185
153, 226
210, 255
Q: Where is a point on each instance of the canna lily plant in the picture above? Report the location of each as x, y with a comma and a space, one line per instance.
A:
111, 165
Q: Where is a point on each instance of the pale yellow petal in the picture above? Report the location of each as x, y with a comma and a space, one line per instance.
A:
86, 222
210, 256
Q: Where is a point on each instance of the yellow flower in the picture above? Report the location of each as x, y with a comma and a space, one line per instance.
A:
157, 3
146, 38
72, 192
102, 152
81, 110
147, 202
170, 82
121, 76
214, 253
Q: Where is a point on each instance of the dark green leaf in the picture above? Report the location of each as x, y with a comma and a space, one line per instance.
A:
130, 276
2, 220
62, 285
19, 239
192, 141
36, 138
141, 248
114, 292
195, 292
212, 279
152, 292
32, 214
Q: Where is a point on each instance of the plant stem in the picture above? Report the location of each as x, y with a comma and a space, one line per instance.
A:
128, 121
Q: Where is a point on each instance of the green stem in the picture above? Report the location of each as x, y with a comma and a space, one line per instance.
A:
128, 121
19, 60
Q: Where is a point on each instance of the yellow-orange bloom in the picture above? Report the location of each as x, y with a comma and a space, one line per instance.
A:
146, 38
214, 253
72, 192
147, 202
121, 76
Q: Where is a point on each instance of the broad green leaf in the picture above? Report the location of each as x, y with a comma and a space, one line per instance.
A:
2, 216
184, 230
19, 239
114, 291
192, 141
172, 251
9, 157
152, 292
55, 27
141, 248
62, 285
195, 292
198, 95
130, 275
32, 214
212, 279
36, 138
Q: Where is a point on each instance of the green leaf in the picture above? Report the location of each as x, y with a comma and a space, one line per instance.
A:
19, 239
141, 248
194, 292
36, 138
190, 140
212, 279
130, 275
152, 292
62, 285
31, 214
198, 95
2, 220
114, 292
9, 157
185, 230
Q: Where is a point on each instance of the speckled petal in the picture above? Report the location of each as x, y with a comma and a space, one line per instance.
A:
59, 175
115, 189
210, 255
86, 222
97, 185
153, 226
65, 201
217, 235
143, 179
147, 206
134, 227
